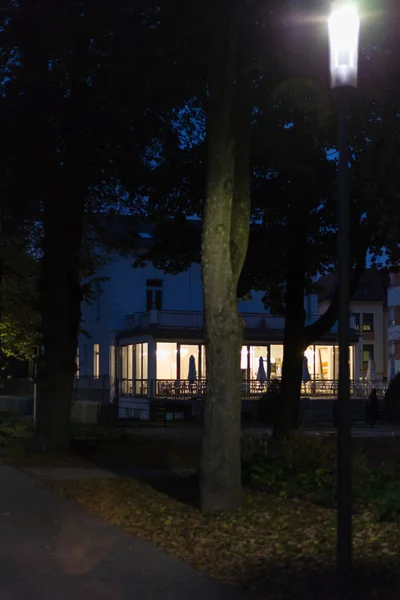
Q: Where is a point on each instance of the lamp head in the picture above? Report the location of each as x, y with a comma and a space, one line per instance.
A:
344, 30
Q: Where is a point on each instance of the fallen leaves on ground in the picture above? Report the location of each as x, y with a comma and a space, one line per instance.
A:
275, 547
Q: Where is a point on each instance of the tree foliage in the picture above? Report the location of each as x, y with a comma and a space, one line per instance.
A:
293, 172
20, 318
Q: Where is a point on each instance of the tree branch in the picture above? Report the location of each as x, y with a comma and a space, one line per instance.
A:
328, 319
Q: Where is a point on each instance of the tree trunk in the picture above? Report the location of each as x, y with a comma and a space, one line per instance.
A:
287, 414
297, 338
61, 312
62, 181
224, 246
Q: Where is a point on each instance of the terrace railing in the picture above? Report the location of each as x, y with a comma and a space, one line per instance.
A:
172, 319
251, 389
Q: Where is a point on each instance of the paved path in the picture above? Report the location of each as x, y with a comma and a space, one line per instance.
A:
51, 549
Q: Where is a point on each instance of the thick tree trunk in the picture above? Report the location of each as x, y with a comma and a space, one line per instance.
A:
221, 463
288, 409
225, 240
62, 182
61, 311
287, 414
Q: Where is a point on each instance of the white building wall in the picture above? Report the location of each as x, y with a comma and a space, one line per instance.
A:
124, 293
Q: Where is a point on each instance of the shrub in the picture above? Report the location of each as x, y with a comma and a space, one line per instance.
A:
17, 426
309, 470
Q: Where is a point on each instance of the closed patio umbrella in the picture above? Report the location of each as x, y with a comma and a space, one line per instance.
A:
192, 375
370, 371
261, 374
391, 368
306, 377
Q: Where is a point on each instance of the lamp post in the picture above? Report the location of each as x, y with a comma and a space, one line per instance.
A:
343, 26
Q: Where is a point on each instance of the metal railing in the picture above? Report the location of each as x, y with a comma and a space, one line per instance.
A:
195, 320
253, 389
188, 320
180, 388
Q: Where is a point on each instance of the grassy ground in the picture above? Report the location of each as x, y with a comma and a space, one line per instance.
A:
277, 547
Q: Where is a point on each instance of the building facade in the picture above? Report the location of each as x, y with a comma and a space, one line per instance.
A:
144, 333
369, 308
394, 320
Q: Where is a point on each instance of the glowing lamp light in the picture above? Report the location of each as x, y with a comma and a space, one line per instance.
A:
344, 30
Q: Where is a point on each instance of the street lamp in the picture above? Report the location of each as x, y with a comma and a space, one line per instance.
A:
344, 27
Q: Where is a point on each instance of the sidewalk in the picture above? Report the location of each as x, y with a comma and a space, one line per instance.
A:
52, 549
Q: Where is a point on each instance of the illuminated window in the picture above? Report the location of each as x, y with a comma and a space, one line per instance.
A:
276, 360
126, 369
96, 361
257, 352
167, 365
186, 351
368, 354
368, 322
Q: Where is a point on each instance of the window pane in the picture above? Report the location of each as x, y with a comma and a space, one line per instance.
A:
203, 362
125, 370
310, 356
186, 352
158, 299
112, 361
336, 368
124, 362
276, 360
356, 321
149, 299
324, 362
243, 358
166, 360
145, 363
368, 322
96, 360
368, 352
351, 351
138, 361
130, 362
257, 352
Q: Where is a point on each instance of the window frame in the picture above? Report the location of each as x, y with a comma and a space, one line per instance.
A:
371, 353
371, 325
154, 295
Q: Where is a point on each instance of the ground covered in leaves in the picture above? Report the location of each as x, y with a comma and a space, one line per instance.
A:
275, 547
280, 546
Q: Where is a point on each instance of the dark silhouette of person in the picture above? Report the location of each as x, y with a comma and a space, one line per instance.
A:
373, 408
